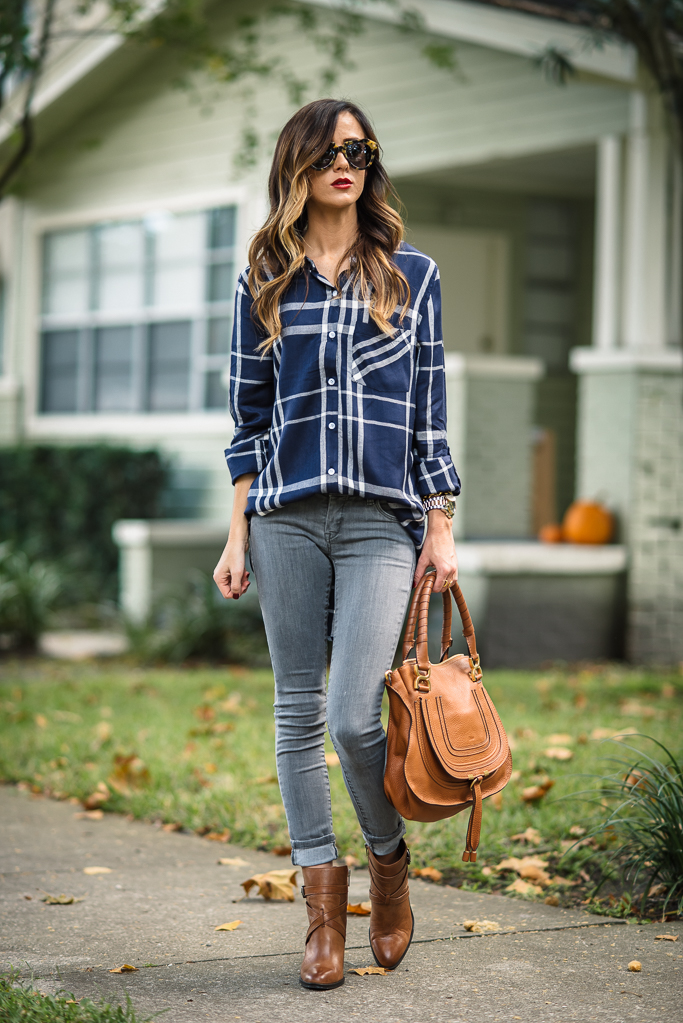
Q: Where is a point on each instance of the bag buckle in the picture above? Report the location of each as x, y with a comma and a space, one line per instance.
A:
422, 681
475, 670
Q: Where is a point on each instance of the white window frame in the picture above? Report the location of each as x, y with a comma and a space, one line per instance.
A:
140, 425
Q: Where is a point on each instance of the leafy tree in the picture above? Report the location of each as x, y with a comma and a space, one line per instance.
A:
30, 30
653, 27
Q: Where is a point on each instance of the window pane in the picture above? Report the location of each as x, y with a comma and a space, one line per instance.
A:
114, 369
220, 282
65, 268
219, 333
59, 371
178, 261
121, 267
169, 367
222, 228
216, 395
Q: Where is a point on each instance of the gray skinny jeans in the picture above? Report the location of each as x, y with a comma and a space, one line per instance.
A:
297, 551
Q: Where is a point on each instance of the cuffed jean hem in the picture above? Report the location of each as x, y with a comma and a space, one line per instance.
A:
384, 846
305, 854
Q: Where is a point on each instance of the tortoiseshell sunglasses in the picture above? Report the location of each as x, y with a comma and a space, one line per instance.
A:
360, 154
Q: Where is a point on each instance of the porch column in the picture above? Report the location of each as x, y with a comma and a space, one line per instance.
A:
630, 415
607, 243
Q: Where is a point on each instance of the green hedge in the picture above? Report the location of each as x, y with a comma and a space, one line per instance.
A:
59, 504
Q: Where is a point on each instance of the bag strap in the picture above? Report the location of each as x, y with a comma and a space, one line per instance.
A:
418, 614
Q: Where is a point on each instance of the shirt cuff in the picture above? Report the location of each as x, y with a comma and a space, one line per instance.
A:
251, 459
435, 474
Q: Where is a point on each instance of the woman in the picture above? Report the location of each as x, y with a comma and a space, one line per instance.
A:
338, 459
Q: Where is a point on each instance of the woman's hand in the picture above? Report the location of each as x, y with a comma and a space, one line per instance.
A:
438, 551
229, 574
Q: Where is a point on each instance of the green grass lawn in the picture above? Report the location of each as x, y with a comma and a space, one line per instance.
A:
194, 747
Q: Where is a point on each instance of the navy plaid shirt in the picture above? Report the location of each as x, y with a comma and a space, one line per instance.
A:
337, 406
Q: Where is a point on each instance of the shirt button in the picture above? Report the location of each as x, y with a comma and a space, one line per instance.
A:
330, 472
331, 425
331, 381
331, 334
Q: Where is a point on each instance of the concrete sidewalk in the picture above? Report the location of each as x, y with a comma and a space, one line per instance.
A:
165, 893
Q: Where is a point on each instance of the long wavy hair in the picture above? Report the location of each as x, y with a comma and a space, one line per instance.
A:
277, 254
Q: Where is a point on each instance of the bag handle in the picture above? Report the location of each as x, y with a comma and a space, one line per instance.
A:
418, 614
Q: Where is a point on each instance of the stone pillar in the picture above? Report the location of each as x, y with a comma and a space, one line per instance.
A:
490, 433
630, 456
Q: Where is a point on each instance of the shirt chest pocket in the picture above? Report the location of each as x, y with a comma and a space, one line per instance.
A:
383, 362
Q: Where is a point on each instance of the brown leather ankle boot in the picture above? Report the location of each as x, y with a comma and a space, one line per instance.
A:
391, 921
326, 891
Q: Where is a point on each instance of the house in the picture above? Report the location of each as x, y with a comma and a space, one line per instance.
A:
548, 208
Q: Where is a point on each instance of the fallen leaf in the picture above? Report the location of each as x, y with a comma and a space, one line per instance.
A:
580, 701
524, 888
231, 704
282, 850
89, 815
604, 733
655, 890
266, 779
560, 739
97, 798
102, 732
173, 826
486, 871
535, 792
531, 835
518, 863
525, 733
480, 926
126, 968
551, 900
59, 900
97, 870
67, 715
233, 861
218, 836
634, 966
636, 709
129, 773
557, 879
41, 721
359, 908
233, 925
666, 937
532, 872
558, 753
210, 768
496, 800
351, 861
363, 971
577, 830
429, 873
204, 712
332, 760
274, 885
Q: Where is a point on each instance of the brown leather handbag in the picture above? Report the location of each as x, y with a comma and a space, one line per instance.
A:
446, 747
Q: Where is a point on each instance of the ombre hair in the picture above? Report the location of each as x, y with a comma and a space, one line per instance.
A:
277, 254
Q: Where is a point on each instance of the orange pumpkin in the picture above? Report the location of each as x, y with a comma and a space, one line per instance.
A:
552, 533
587, 522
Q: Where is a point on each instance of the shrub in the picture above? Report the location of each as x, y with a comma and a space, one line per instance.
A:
59, 504
195, 622
28, 593
645, 802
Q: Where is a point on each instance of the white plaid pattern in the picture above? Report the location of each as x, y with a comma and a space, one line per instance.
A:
338, 406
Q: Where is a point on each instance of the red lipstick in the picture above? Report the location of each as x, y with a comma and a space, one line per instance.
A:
342, 183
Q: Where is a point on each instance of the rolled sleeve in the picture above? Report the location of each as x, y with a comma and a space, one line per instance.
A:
435, 469
252, 391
